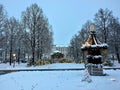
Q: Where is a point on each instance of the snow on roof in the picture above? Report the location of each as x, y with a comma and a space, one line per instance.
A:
55, 51
62, 45
96, 45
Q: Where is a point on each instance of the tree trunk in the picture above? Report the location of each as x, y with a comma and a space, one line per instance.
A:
33, 51
118, 57
41, 50
38, 54
33, 58
5, 54
41, 54
117, 53
11, 52
38, 49
18, 59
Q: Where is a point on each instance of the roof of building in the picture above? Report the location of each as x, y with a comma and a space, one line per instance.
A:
61, 45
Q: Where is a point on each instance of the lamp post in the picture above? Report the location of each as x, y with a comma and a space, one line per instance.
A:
14, 59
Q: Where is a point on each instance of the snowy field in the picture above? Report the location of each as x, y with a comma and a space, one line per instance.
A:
59, 80
49, 66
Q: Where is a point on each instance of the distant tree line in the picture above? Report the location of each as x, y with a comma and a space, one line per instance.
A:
107, 29
32, 35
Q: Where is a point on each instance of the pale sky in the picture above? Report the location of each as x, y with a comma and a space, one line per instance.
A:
65, 16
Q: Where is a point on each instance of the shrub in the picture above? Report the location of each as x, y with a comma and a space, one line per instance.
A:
66, 60
41, 62
69, 60
108, 63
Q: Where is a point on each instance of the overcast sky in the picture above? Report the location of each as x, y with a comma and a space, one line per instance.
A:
65, 16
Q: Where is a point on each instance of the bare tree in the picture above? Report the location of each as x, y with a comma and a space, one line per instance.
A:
12, 26
3, 18
102, 21
19, 41
77, 41
114, 37
37, 29
3, 22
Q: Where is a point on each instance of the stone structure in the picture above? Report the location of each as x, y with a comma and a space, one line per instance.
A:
94, 47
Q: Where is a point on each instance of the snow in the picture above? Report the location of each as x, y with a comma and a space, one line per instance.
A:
100, 45
59, 80
49, 66
95, 56
56, 51
104, 45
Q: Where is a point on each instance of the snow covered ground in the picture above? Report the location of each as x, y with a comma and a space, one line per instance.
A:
6, 66
58, 80
49, 66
